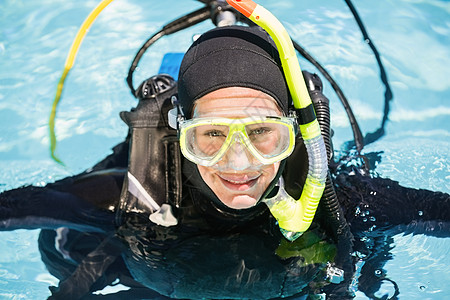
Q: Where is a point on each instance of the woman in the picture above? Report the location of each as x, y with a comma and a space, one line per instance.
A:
197, 226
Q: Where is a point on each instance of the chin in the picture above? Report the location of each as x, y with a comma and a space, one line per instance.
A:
241, 202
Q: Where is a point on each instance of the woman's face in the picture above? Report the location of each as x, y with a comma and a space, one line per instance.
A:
237, 183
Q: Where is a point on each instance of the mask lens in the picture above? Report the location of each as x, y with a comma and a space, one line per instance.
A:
205, 141
268, 138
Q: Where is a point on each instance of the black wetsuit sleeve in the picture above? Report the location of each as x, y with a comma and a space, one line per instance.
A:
85, 202
379, 203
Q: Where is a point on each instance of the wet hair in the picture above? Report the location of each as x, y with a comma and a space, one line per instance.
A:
232, 56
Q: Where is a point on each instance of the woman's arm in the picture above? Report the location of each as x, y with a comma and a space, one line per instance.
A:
85, 202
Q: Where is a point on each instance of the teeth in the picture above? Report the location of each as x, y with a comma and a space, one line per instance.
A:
234, 181
237, 182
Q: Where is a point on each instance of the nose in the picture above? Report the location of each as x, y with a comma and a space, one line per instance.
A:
237, 157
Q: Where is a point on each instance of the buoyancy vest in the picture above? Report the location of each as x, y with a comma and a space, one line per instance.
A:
154, 162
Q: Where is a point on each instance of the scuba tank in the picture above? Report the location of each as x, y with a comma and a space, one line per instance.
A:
152, 180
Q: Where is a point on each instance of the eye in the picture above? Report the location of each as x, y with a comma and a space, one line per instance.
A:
259, 131
213, 133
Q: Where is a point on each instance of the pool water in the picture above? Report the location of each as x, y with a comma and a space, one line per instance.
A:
413, 38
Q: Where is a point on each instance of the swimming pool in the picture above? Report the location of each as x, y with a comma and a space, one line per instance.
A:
411, 36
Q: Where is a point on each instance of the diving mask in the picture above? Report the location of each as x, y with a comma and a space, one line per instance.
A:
206, 141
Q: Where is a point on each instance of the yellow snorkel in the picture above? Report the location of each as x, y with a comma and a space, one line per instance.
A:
294, 216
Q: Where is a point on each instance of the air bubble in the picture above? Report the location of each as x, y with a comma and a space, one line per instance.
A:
420, 213
360, 255
422, 288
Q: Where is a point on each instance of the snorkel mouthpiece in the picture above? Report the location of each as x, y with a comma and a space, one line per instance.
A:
294, 216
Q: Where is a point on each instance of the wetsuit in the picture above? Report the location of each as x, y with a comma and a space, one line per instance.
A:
204, 253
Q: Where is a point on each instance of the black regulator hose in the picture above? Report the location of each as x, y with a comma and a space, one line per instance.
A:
357, 135
322, 108
359, 140
186, 21
334, 216
388, 96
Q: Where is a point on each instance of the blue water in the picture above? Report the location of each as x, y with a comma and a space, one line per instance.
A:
412, 36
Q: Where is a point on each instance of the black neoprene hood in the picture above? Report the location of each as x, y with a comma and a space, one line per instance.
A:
231, 56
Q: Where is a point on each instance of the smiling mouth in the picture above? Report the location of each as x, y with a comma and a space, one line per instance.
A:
239, 183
